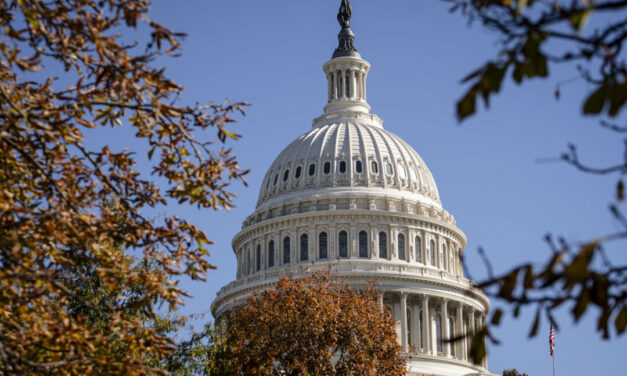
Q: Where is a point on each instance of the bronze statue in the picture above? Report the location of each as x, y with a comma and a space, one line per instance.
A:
344, 15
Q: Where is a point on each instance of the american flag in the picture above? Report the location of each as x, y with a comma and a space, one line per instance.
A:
552, 341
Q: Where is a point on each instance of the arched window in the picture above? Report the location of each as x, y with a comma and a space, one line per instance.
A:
417, 245
304, 247
271, 254
383, 245
388, 168
363, 244
339, 85
312, 169
276, 177
286, 175
348, 88
343, 244
322, 245
327, 167
374, 167
342, 167
268, 183
358, 167
438, 332
286, 250
297, 173
258, 257
432, 252
401, 246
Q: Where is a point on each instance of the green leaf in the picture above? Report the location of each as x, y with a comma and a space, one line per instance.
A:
466, 105
620, 191
596, 101
579, 20
496, 317
581, 305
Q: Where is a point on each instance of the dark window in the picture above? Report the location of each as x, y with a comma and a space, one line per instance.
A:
358, 167
268, 184
432, 252
383, 245
312, 169
286, 250
304, 247
438, 332
286, 175
374, 167
363, 244
258, 257
276, 177
343, 240
271, 254
322, 244
342, 167
401, 246
418, 250
388, 168
327, 167
297, 174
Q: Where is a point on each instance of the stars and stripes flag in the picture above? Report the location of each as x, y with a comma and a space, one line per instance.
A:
552, 341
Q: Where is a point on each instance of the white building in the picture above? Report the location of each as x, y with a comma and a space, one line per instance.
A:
351, 195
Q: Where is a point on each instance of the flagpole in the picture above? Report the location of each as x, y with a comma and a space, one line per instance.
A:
553, 362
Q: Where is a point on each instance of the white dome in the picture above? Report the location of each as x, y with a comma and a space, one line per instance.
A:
352, 153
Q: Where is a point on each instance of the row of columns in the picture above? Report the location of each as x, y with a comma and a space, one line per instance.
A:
356, 79
423, 339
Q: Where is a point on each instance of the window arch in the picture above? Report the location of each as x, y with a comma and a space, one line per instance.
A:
343, 244
286, 250
438, 332
358, 167
297, 173
417, 245
401, 246
322, 245
383, 245
271, 253
327, 167
258, 257
363, 244
342, 167
304, 247
374, 167
312, 169
432, 252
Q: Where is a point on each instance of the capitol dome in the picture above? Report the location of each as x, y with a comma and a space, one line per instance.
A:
350, 196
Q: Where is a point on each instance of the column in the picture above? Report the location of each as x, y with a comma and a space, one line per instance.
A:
417, 330
404, 320
344, 78
380, 300
330, 82
334, 92
485, 344
460, 330
353, 84
363, 84
446, 332
426, 335
471, 322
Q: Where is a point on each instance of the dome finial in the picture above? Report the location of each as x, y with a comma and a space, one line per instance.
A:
346, 36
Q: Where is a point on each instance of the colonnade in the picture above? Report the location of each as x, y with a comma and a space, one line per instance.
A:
347, 84
425, 323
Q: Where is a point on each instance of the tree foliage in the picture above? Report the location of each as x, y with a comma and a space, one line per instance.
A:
315, 325
536, 36
513, 372
71, 213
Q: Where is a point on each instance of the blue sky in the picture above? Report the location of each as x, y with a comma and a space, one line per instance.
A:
271, 54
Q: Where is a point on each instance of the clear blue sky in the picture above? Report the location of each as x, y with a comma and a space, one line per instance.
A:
271, 54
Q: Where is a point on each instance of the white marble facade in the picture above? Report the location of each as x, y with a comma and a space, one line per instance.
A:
351, 196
